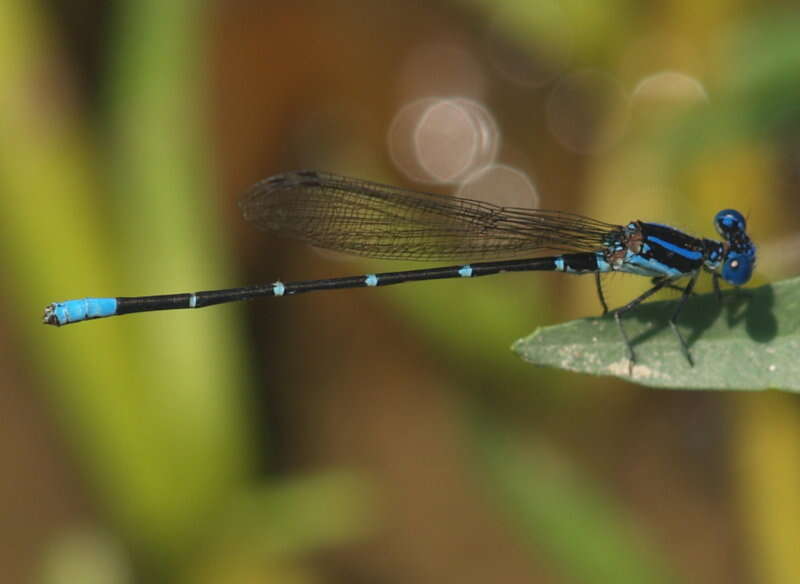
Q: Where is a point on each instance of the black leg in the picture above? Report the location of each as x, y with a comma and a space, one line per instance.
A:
715, 278
737, 292
673, 321
717, 291
600, 293
658, 285
671, 286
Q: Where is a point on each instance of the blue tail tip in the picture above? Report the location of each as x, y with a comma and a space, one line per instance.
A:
61, 313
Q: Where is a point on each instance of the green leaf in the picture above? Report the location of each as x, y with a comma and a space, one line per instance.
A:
749, 341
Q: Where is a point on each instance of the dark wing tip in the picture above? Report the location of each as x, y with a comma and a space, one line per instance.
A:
282, 181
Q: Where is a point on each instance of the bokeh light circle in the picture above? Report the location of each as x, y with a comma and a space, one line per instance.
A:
588, 112
442, 140
502, 185
672, 86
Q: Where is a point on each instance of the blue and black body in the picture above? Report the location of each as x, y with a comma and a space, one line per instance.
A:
379, 221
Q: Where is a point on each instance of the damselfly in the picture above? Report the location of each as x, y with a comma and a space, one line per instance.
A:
379, 221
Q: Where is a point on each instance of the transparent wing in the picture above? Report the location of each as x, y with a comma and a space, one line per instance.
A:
380, 221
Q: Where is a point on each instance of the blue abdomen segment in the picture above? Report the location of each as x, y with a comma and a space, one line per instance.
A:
61, 313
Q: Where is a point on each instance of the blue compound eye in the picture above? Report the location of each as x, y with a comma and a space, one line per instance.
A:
738, 268
729, 222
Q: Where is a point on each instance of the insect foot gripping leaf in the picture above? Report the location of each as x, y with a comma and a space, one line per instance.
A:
750, 341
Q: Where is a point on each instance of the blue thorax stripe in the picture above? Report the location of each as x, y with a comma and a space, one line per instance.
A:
689, 254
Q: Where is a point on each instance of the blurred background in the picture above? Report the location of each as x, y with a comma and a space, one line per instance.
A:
377, 436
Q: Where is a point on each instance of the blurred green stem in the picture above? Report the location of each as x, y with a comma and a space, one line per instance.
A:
153, 412
768, 469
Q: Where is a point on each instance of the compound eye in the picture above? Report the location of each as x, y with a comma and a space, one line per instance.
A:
737, 270
729, 221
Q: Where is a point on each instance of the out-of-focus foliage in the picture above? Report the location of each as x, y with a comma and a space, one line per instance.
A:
586, 532
756, 92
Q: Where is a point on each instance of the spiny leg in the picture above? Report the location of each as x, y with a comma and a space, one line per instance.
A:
600, 294
629, 306
673, 321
